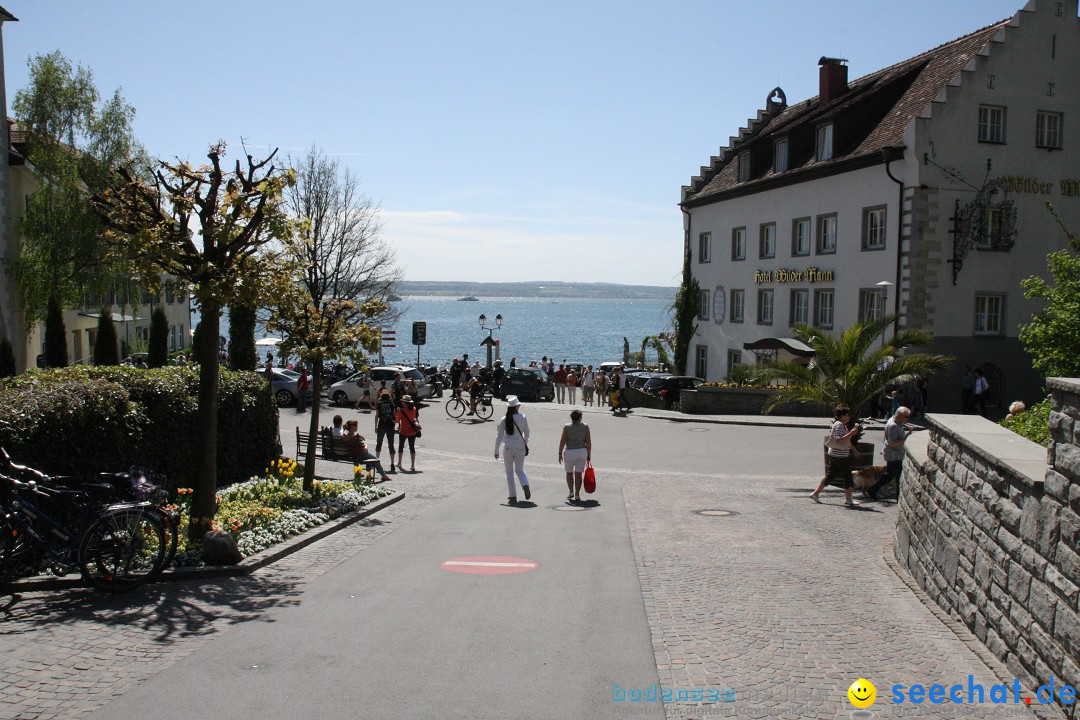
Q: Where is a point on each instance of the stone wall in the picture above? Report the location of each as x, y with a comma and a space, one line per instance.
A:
743, 401
989, 530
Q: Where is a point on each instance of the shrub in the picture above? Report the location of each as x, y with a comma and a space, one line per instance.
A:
83, 420
56, 354
7, 358
158, 355
1033, 423
105, 351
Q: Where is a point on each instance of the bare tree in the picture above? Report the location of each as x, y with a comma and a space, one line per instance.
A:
345, 273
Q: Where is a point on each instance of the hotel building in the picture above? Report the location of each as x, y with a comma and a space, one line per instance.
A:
918, 190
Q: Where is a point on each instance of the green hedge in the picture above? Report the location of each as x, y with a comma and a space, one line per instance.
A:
85, 420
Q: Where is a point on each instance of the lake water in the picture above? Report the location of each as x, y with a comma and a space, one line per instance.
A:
587, 330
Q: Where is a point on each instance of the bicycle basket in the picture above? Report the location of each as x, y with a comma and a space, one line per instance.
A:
147, 486
486, 399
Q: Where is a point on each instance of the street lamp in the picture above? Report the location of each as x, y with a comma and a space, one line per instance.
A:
489, 341
884, 285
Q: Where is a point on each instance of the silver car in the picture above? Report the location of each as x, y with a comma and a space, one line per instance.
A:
284, 386
352, 388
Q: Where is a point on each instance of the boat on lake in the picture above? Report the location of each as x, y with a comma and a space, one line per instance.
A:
469, 298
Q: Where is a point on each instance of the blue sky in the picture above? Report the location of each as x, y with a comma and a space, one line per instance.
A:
506, 141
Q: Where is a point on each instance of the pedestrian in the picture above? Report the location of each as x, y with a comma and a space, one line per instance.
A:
575, 450
497, 376
839, 452
398, 388
895, 402
408, 419
967, 390
302, 386
455, 374
588, 385
513, 361
513, 437
385, 417
982, 391
571, 386
896, 434
601, 389
560, 384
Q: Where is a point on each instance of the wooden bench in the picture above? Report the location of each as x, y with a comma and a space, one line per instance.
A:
328, 447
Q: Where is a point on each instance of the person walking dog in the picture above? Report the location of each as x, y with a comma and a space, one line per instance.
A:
839, 450
513, 438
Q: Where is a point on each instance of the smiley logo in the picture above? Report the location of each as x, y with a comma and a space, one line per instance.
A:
862, 693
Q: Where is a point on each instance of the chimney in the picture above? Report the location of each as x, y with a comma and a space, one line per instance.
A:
832, 79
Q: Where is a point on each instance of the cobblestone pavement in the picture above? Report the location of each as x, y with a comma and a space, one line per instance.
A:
785, 602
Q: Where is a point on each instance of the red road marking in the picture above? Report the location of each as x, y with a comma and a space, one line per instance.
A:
489, 565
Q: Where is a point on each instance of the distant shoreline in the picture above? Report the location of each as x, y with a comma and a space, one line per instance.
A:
545, 289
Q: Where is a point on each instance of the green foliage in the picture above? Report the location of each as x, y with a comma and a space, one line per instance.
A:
686, 306
851, 369
242, 355
744, 375
56, 354
72, 141
105, 350
1052, 337
158, 355
85, 420
7, 358
1033, 423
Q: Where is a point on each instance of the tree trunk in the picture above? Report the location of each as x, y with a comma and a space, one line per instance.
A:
203, 499
313, 427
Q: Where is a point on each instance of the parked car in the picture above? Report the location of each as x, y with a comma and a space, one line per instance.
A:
527, 384
284, 386
607, 367
670, 387
352, 388
638, 378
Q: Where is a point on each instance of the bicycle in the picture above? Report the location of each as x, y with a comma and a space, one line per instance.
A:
116, 547
456, 406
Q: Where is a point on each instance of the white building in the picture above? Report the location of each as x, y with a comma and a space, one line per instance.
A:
919, 190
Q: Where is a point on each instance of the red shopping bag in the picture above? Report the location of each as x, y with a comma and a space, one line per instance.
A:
589, 478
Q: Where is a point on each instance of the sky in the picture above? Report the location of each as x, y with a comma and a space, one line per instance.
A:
504, 141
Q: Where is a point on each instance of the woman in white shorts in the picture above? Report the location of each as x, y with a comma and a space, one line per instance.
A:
575, 450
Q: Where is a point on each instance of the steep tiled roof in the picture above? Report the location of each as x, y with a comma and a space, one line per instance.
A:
875, 111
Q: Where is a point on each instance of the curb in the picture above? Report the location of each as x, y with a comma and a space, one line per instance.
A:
245, 567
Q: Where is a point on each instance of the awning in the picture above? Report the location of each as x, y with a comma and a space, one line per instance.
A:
116, 317
791, 345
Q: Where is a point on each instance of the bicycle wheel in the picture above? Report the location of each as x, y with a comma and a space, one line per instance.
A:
484, 410
123, 548
455, 408
14, 546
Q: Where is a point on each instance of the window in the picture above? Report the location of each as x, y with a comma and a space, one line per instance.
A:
170, 296
800, 307
738, 244
172, 338
703, 308
768, 241
823, 308
764, 307
826, 234
145, 296
734, 357
704, 249
824, 142
871, 304
989, 314
738, 305
991, 228
780, 156
1048, 130
991, 123
873, 228
744, 166
701, 361
800, 237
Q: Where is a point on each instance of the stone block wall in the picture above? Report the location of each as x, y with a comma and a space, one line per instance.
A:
989, 525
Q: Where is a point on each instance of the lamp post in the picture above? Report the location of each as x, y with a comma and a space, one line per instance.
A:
489, 342
884, 285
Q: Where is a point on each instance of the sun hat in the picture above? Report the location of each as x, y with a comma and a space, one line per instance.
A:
512, 401
406, 398
384, 393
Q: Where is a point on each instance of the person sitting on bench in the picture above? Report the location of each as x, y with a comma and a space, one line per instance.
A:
363, 454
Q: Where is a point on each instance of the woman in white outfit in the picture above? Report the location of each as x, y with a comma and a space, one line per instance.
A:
575, 450
513, 437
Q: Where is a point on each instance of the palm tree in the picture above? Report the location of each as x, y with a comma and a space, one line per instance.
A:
851, 369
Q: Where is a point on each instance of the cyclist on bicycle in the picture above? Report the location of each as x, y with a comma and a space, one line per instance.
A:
476, 389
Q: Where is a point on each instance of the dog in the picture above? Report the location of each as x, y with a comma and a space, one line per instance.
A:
866, 477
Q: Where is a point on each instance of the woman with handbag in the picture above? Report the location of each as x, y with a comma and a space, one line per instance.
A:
839, 447
408, 418
513, 437
575, 452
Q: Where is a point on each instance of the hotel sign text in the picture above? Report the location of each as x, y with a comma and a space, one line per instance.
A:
810, 275
1017, 184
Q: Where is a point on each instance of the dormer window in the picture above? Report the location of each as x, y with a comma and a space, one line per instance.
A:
824, 145
780, 156
744, 166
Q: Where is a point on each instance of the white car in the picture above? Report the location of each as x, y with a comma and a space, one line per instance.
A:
352, 388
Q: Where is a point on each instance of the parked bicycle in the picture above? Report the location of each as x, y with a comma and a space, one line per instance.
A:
116, 546
456, 406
